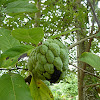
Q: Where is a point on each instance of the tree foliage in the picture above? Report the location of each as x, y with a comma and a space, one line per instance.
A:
70, 21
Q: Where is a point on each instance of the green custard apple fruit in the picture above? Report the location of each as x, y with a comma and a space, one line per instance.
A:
49, 61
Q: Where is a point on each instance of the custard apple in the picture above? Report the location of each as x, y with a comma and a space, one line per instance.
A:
49, 61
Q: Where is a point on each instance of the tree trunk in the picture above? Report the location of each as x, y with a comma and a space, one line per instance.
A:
90, 93
37, 14
80, 50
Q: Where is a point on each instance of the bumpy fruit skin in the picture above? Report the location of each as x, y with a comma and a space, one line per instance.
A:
49, 61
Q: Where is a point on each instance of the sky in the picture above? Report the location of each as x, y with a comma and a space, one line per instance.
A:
99, 4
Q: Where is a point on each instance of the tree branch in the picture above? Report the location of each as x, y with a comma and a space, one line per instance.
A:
13, 69
84, 71
95, 17
91, 85
73, 45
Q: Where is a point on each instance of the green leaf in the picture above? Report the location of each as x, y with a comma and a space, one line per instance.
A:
91, 59
9, 62
6, 40
98, 34
33, 35
4, 2
20, 6
13, 87
58, 35
39, 90
17, 50
12, 55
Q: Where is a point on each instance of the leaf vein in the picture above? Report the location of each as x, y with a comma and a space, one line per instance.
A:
13, 88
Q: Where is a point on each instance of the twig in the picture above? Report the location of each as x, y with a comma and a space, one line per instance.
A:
96, 19
84, 70
91, 85
73, 45
22, 56
70, 47
13, 69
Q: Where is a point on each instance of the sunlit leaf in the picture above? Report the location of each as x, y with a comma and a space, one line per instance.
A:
11, 56
91, 59
39, 90
13, 87
20, 6
9, 62
33, 35
6, 40
5, 2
